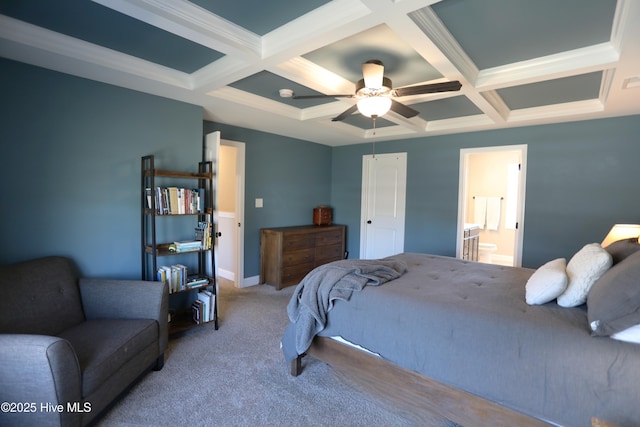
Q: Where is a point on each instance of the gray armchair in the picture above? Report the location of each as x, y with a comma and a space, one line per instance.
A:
69, 346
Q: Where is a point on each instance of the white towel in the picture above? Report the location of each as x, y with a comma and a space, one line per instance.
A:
480, 211
493, 212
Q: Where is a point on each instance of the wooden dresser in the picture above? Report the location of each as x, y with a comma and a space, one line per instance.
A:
287, 254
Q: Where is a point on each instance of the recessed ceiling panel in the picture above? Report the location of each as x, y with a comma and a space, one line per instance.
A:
568, 89
86, 20
499, 32
268, 85
401, 62
447, 108
260, 16
366, 123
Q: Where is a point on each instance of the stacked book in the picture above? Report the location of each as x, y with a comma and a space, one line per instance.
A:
203, 234
176, 278
175, 200
188, 246
203, 308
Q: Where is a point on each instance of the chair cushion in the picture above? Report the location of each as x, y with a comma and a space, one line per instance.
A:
39, 296
105, 345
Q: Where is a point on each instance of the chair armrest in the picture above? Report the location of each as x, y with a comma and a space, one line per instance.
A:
38, 370
127, 299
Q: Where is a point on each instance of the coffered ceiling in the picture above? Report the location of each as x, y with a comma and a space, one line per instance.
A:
520, 62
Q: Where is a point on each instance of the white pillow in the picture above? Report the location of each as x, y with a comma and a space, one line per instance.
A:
631, 334
584, 268
547, 282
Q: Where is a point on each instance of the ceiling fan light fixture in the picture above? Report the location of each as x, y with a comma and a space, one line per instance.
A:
374, 106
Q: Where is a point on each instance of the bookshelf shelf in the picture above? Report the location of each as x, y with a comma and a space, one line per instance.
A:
168, 197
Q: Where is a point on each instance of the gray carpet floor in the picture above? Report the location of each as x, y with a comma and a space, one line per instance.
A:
237, 376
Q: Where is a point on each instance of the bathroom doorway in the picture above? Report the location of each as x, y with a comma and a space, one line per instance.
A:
491, 200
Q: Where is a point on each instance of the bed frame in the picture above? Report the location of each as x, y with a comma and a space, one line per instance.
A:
420, 399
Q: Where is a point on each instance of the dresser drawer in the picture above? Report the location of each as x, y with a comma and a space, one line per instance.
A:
329, 238
298, 257
292, 275
325, 254
292, 242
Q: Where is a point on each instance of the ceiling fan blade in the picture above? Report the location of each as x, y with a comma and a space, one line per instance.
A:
345, 113
430, 88
403, 110
321, 96
373, 73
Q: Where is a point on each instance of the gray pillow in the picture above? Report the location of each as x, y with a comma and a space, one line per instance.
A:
613, 303
621, 249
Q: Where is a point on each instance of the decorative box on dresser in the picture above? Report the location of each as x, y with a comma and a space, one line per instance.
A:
287, 254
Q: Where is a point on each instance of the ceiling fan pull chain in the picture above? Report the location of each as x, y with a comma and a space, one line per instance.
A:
374, 117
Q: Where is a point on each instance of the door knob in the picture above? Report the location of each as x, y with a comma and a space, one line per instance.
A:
369, 222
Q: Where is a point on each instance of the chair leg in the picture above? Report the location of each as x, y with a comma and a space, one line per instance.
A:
159, 363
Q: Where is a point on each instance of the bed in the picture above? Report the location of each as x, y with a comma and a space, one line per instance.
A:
453, 342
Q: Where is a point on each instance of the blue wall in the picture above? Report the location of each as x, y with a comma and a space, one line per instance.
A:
70, 170
292, 176
580, 181
70, 174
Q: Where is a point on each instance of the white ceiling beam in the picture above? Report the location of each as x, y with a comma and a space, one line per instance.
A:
38, 46
185, 19
564, 64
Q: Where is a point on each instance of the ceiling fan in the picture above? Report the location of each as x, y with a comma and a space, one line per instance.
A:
375, 93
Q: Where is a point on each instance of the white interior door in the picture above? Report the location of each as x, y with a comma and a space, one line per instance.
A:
211, 153
231, 217
384, 179
229, 206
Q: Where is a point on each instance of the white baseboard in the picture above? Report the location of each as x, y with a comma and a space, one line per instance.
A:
226, 274
250, 281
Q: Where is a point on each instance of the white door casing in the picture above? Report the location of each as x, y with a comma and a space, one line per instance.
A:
462, 196
384, 178
211, 153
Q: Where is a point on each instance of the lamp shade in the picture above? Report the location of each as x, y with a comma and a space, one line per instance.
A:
621, 231
374, 106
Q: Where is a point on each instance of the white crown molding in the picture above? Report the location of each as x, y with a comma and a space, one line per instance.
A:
497, 104
255, 102
583, 60
434, 29
606, 85
621, 20
456, 123
191, 22
307, 73
29, 42
331, 21
567, 109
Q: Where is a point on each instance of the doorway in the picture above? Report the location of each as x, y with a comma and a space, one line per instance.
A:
229, 166
384, 178
491, 200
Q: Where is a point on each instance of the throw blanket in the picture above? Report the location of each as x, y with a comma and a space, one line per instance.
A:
314, 296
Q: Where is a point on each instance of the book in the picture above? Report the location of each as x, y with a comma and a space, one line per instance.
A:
206, 301
176, 200
173, 200
198, 281
212, 304
197, 311
188, 245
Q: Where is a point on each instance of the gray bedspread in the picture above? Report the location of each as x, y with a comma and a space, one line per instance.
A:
315, 295
467, 324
